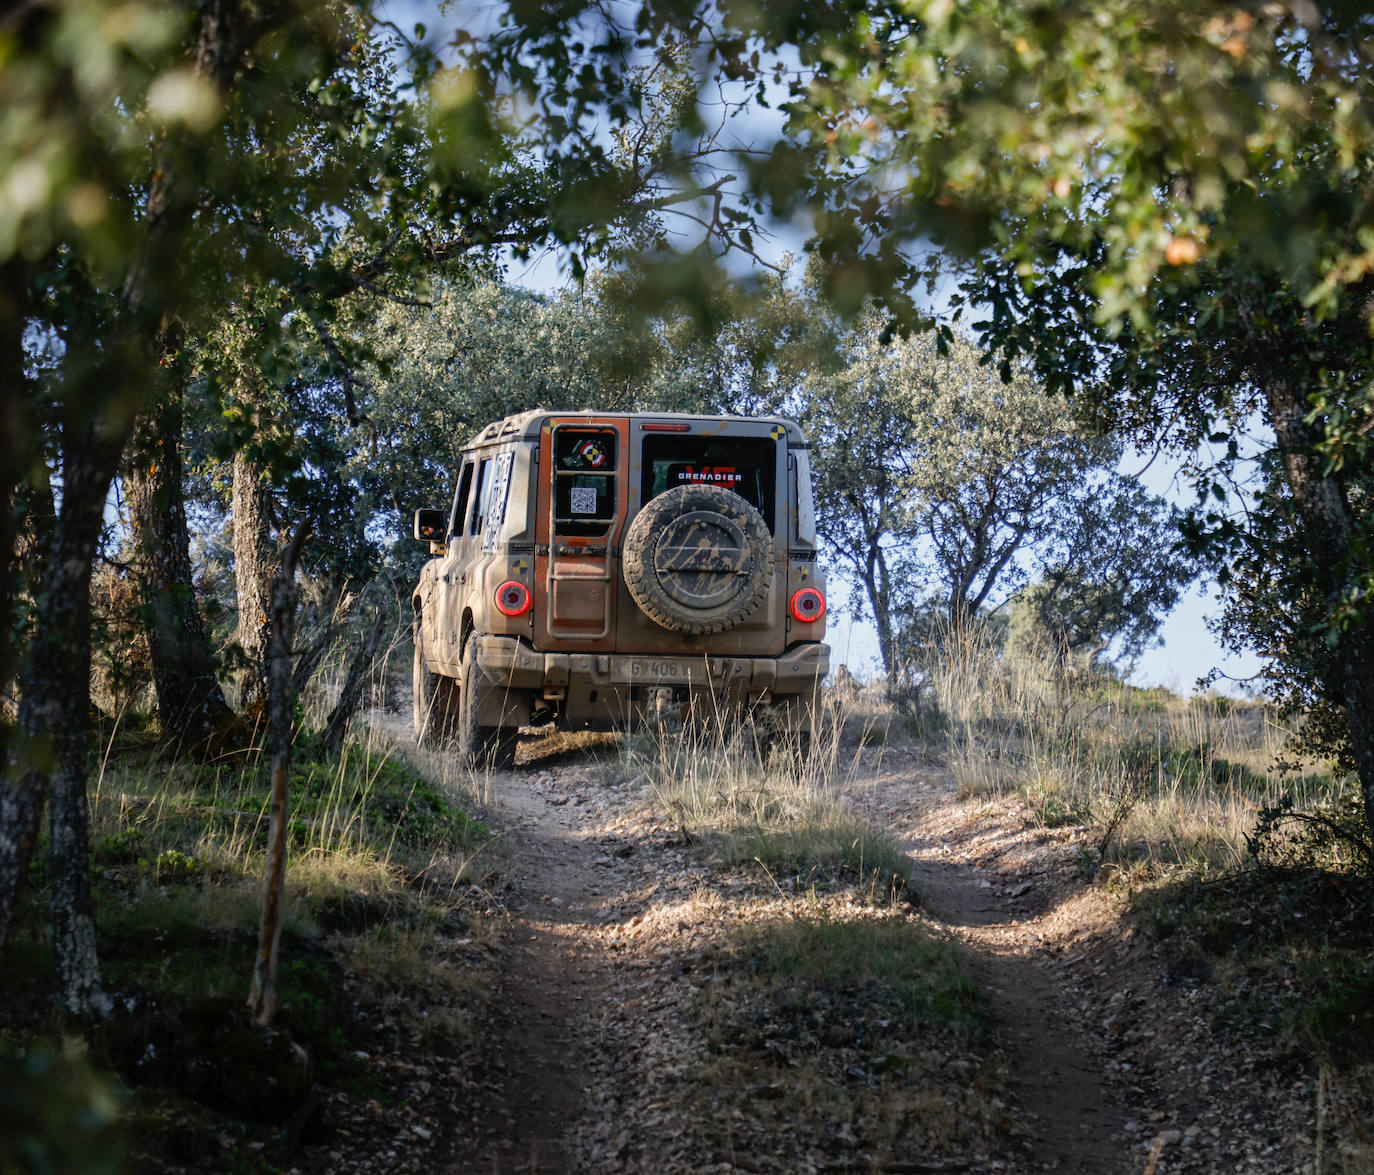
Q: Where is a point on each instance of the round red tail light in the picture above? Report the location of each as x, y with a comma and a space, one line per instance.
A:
808, 605
513, 598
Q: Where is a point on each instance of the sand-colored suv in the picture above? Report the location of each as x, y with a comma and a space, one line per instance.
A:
597, 568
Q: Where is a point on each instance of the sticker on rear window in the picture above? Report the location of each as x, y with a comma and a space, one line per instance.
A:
583, 499
721, 475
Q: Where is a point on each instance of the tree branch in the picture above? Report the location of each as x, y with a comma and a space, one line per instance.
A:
355, 417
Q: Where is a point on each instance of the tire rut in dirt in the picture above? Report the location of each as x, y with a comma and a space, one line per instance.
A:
1059, 1084
552, 985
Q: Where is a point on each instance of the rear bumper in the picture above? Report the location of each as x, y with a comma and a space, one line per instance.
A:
506, 661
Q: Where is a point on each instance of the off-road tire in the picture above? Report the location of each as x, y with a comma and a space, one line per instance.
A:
481, 746
436, 700
698, 559
785, 730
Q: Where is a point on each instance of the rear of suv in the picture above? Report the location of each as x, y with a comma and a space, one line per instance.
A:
595, 569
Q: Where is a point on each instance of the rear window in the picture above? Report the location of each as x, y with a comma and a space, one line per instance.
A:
584, 480
746, 465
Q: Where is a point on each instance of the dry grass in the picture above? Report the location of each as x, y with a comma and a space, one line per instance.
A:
373, 842
777, 806
359, 822
1163, 781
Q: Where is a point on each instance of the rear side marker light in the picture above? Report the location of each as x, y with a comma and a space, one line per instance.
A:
807, 605
513, 598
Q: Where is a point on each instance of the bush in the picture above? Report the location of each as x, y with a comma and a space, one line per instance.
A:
1330, 835
57, 1115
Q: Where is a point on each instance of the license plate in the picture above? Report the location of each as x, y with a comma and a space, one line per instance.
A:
660, 671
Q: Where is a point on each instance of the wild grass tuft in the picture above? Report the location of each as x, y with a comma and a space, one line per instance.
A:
878, 955
1161, 781
775, 801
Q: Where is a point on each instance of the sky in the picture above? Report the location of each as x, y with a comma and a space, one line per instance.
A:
1187, 652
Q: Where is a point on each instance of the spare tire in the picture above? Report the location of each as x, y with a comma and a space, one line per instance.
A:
698, 558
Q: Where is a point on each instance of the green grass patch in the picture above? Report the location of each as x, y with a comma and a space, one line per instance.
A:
184, 823
886, 961
828, 849
379, 801
179, 960
841, 1020
1054, 807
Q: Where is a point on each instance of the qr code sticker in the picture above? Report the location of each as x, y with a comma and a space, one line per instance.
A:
584, 499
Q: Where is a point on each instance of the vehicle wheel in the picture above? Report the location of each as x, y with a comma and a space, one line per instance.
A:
436, 700
481, 746
698, 559
786, 730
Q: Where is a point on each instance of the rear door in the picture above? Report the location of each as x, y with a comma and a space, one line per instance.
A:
583, 491
748, 457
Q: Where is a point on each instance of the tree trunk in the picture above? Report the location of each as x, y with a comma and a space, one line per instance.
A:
1329, 531
51, 742
254, 567
190, 705
100, 399
69, 875
262, 996
14, 449
358, 670
879, 602
21, 803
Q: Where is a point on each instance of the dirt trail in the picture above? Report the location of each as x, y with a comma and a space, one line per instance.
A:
1058, 1081
1112, 1072
1117, 1066
570, 892
554, 978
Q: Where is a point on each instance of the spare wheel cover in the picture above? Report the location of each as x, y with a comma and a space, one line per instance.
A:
698, 559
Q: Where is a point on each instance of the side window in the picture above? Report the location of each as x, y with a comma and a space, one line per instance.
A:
479, 496
494, 511
584, 480
806, 506
460, 500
